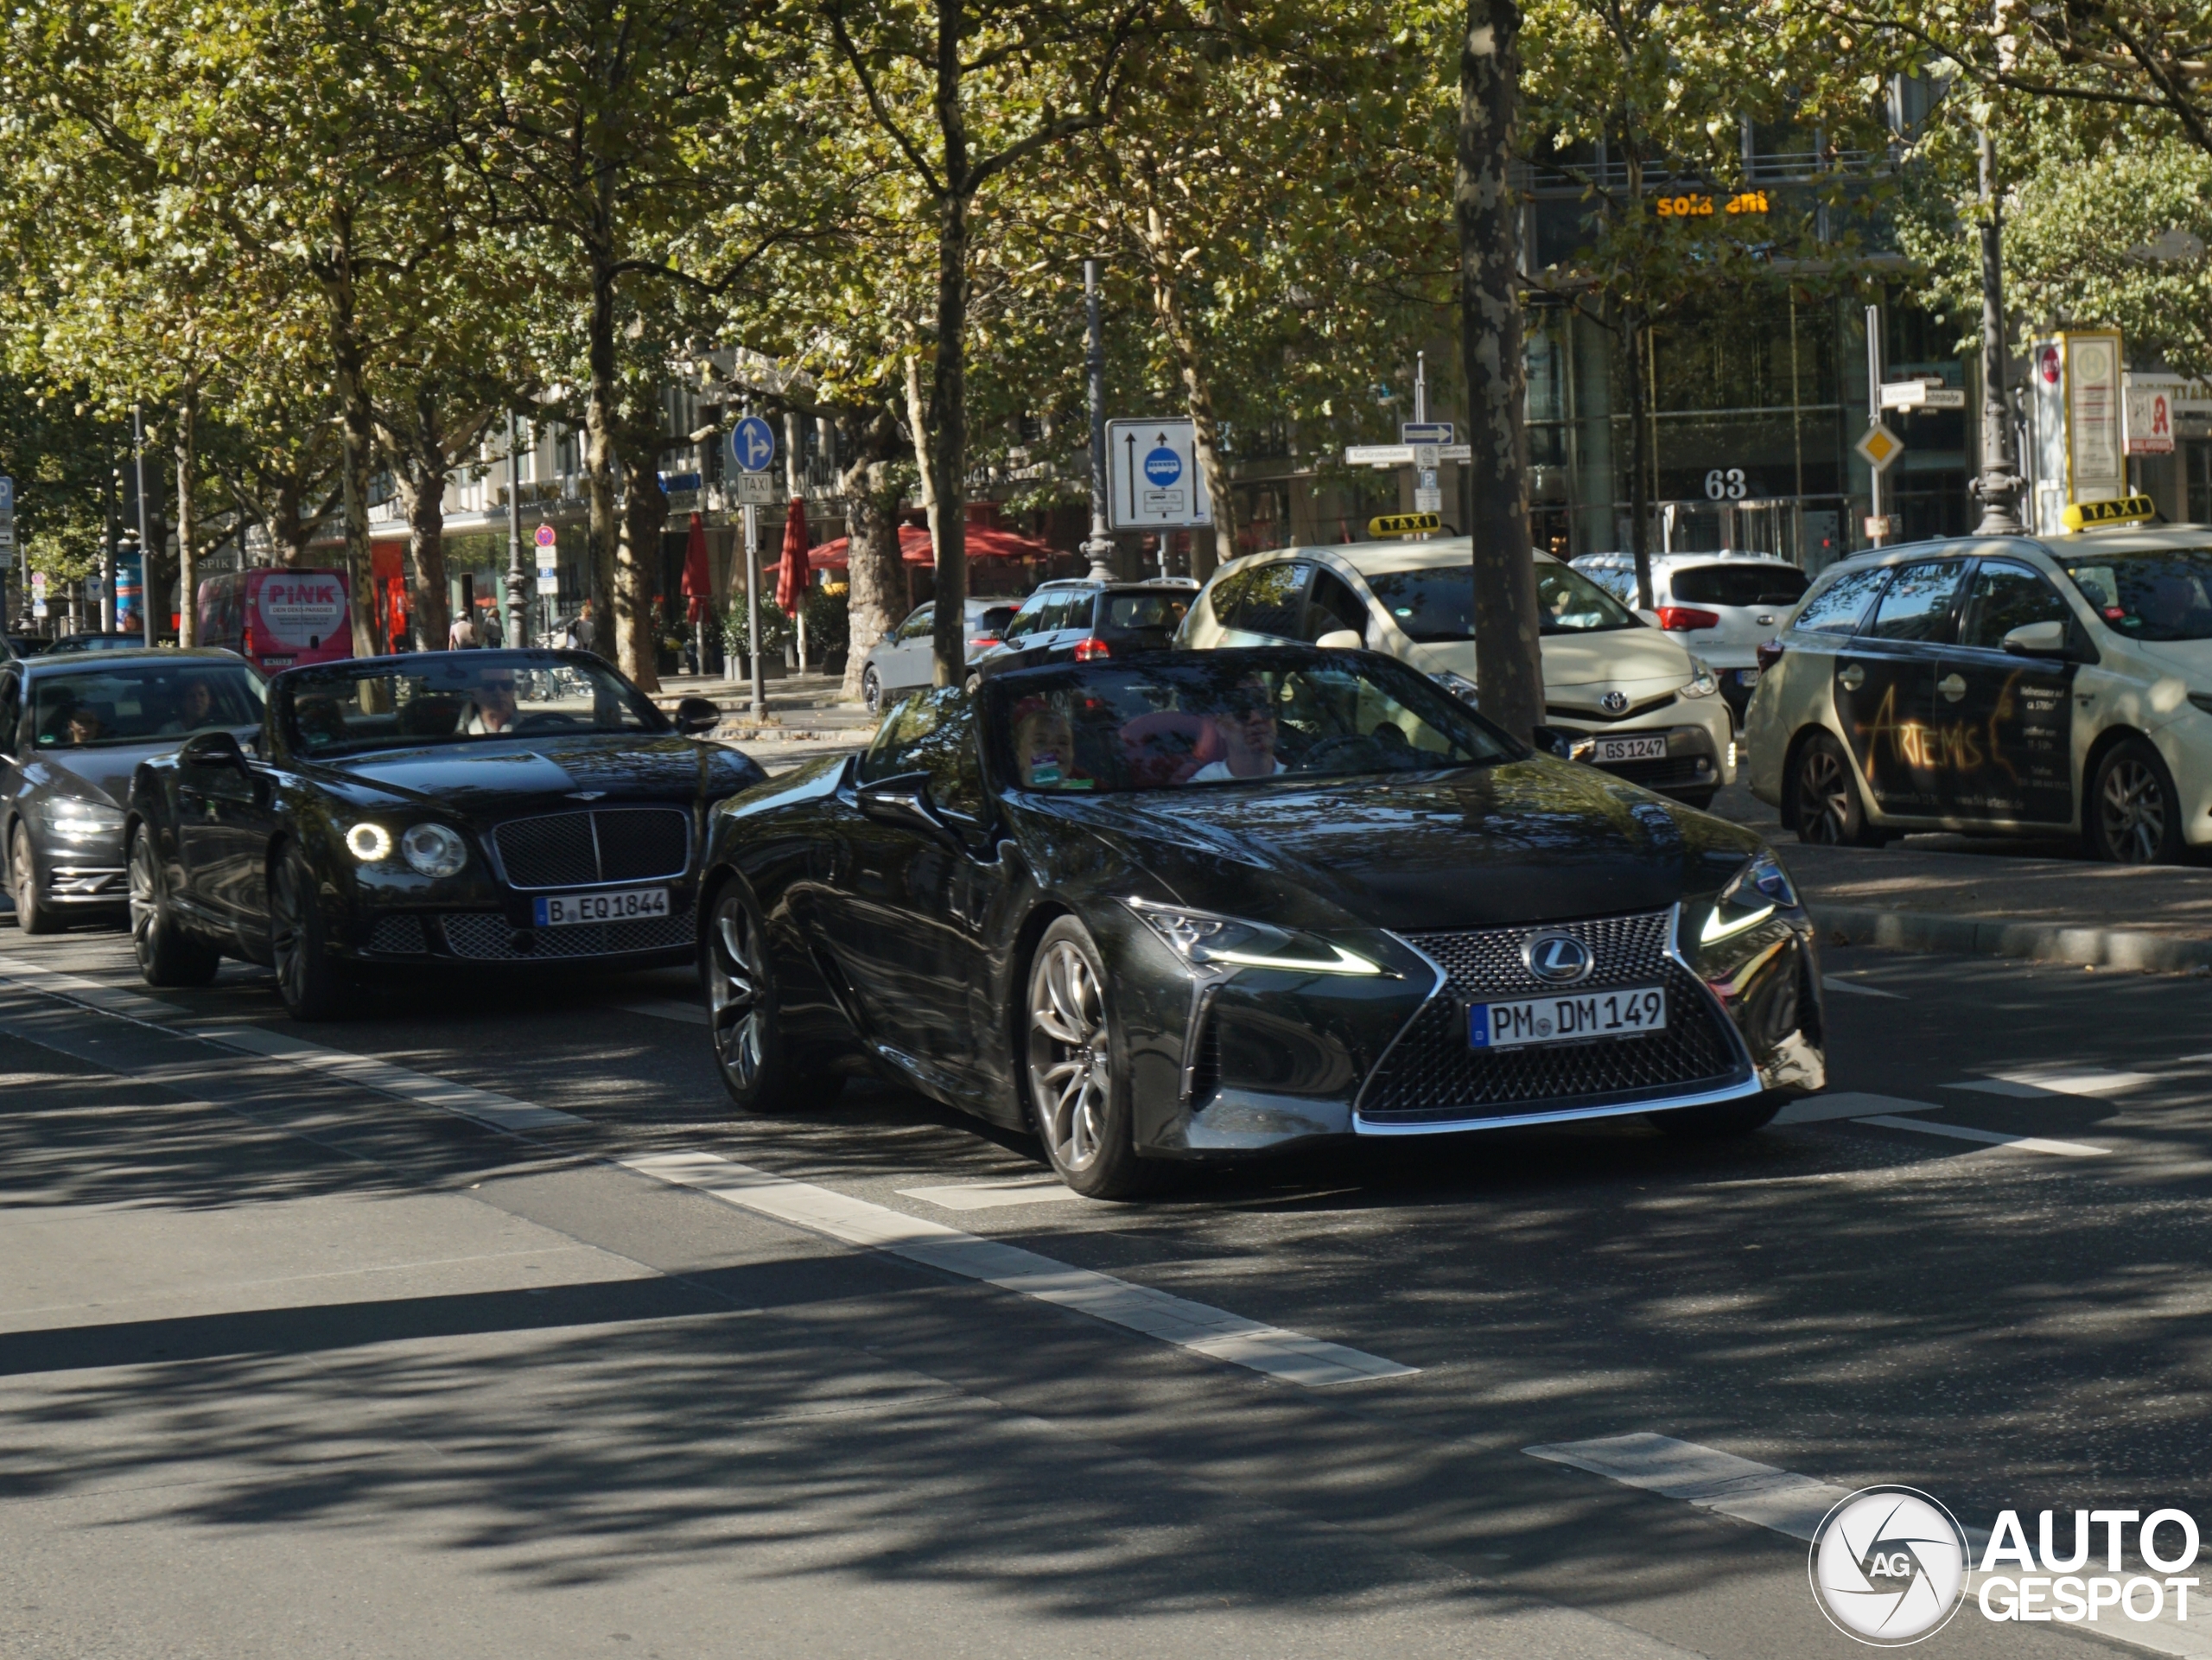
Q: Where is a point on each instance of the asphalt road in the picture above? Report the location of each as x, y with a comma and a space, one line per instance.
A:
303, 1356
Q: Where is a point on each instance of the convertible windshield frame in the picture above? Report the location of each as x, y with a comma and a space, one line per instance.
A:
361, 705
1166, 721
2120, 587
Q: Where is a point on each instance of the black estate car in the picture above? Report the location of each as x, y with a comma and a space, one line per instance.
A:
482, 810
1209, 905
72, 730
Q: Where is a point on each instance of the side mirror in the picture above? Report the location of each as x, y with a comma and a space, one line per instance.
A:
2038, 639
1341, 639
902, 800
217, 748
695, 716
1555, 741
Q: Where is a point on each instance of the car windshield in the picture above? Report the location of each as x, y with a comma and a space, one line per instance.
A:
133, 702
2156, 594
438, 697
1225, 718
1438, 602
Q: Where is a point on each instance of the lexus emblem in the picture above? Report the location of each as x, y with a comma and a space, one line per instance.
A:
1613, 702
1557, 959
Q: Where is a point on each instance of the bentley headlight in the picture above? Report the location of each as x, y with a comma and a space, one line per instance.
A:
1756, 892
434, 850
1206, 940
1460, 686
82, 821
370, 843
1702, 682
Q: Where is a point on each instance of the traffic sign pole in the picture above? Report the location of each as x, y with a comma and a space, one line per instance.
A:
1874, 418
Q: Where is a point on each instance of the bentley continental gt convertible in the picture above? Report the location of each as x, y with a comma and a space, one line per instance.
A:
1190, 906
487, 812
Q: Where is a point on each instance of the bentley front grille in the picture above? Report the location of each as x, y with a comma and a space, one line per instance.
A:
1433, 1075
578, 849
484, 937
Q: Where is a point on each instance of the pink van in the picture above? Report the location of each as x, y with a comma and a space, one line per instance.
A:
278, 618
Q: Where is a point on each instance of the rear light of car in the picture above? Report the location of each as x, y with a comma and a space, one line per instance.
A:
984, 643
1683, 617
1090, 650
1769, 654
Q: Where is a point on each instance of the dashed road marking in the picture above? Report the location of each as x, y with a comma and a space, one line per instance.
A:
994, 1195
1832, 982
1215, 1332
1847, 1104
667, 1009
1993, 1138
2040, 1083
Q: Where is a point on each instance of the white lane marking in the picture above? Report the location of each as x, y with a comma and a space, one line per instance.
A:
1831, 983
1215, 1332
1847, 1104
1991, 1138
994, 1195
501, 1111
2039, 1083
669, 1009
1783, 1502
1706, 1477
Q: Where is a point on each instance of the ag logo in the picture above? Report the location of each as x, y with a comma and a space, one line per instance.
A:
1888, 1565
1557, 959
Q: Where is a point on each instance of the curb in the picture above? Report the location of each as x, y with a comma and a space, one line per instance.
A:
2043, 942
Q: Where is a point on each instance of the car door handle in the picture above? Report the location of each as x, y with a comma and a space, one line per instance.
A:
1952, 686
1766, 623
1852, 678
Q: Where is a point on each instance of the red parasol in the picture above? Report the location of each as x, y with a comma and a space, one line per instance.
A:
791, 580
698, 581
984, 541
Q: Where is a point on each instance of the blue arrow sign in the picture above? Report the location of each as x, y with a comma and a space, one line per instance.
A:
753, 444
7, 495
1163, 466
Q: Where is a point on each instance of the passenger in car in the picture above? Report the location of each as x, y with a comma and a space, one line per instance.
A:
1044, 747
1247, 731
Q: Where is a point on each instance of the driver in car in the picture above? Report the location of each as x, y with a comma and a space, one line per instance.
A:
195, 707
1247, 728
494, 699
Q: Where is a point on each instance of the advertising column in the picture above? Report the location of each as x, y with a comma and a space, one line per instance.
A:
2078, 456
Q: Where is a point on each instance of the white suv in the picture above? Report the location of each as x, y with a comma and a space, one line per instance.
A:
1723, 606
1629, 698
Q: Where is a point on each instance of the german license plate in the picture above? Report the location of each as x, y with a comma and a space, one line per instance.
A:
1566, 1017
1653, 748
1747, 677
567, 910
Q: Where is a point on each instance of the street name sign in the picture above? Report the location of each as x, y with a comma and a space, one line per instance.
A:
1153, 478
753, 444
1880, 447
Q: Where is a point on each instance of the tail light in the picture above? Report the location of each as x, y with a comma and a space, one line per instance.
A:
1683, 618
1090, 650
985, 643
245, 642
1769, 654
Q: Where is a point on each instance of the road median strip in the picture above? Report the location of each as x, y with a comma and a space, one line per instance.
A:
2042, 941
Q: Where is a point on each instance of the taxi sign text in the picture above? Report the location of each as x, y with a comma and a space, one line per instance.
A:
1403, 523
2127, 510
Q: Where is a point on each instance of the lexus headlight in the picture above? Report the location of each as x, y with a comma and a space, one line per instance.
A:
1756, 892
1702, 682
1206, 940
434, 850
81, 821
370, 843
1460, 686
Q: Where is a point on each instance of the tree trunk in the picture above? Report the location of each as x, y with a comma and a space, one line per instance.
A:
187, 556
600, 461
917, 422
874, 570
949, 450
423, 484
1197, 393
1634, 327
358, 427
107, 550
1509, 665
645, 512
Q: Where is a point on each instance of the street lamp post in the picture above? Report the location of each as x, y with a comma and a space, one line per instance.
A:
1100, 545
1998, 485
145, 547
518, 581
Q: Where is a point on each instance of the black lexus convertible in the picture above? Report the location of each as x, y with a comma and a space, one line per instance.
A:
477, 809
1176, 906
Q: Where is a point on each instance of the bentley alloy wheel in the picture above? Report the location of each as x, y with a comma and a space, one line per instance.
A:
1080, 1107
313, 987
167, 955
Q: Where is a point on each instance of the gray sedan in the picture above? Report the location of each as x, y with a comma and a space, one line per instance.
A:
899, 662
72, 730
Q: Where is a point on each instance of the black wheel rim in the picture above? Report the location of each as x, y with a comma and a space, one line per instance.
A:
1823, 797
145, 900
288, 932
735, 979
22, 883
2132, 811
872, 693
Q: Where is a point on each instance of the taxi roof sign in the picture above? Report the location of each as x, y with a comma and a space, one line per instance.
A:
2127, 510
1404, 524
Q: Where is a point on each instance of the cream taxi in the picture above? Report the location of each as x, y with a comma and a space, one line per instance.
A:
2020, 685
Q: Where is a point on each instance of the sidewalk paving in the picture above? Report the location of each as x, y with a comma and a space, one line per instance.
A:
802, 718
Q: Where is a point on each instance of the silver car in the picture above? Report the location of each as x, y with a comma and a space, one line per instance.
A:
900, 661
